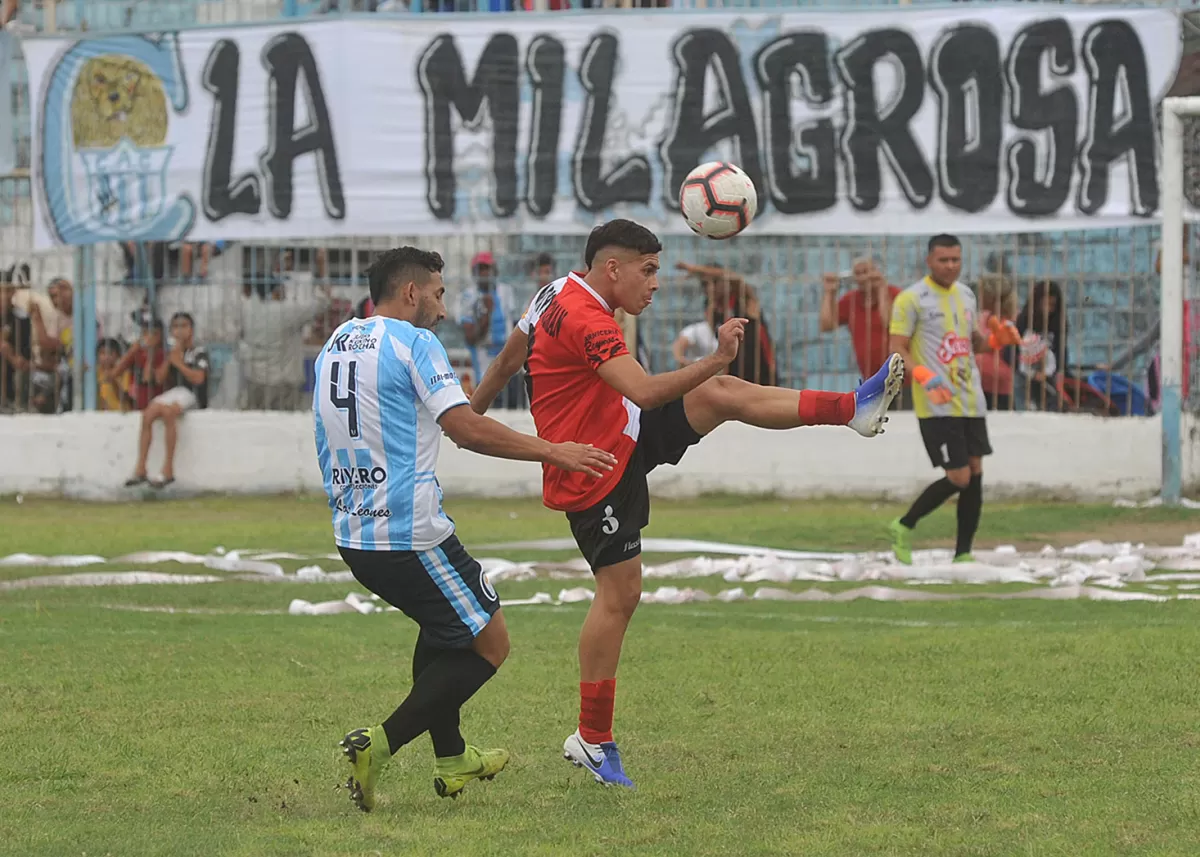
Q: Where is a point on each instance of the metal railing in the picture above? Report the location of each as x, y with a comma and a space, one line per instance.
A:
245, 298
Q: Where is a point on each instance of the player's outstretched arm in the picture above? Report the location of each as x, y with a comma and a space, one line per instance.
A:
625, 375
499, 373
487, 437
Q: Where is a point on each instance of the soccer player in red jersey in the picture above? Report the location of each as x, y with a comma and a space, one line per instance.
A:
585, 386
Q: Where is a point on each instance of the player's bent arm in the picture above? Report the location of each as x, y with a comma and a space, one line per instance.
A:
500, 371
679, 349
902, 345
487, 437
627, 377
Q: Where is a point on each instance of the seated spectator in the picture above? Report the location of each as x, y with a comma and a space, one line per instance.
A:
143, 360
62, 295
696, 341
184, 374
112, 392
996, 297
730, 296
866, 311
271, 353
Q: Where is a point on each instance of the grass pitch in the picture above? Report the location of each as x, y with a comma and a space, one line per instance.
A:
965, 728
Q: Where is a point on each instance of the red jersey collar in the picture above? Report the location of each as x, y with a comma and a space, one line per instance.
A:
578, 280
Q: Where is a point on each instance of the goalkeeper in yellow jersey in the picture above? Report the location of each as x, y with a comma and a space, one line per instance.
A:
934, 328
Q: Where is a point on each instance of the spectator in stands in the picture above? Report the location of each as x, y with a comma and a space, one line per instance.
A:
143, 360
274, 313
866, 311
543, 270
62, 295
45, 326
696, 341
167, 262
996, 297
487, 312
112, 393
732, 297
185, 376
15, 345
1043, 324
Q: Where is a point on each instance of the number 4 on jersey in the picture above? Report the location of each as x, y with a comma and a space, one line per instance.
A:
348, 402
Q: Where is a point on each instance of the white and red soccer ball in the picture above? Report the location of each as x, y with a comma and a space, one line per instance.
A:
718, 200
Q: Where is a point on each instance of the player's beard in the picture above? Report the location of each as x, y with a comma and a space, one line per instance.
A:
427, 318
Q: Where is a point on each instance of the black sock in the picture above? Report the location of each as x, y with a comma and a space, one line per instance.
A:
443, 731
931, 498
970, 507
443, 685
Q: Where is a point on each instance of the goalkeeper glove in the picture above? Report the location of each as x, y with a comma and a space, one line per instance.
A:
934, 385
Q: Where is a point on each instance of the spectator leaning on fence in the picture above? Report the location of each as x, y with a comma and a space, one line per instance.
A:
45, 325
997, 297
185, 376
866, 311
732, 297
1044, 356
271, 351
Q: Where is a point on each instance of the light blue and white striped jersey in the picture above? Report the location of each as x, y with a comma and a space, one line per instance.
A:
381, 385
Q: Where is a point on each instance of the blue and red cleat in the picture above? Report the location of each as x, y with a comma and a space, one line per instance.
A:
875, 395
602, 760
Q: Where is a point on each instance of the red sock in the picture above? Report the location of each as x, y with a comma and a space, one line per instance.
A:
596, 710
826, 409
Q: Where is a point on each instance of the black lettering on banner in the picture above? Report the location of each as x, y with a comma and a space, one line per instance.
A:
628, 181
692, 132
495, 85
1039, 185
804, 56
286, 58
546, 64
964, 70
872, 128
1115, 63
220, 196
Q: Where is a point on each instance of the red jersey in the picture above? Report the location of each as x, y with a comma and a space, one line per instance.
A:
570, 337
868, 329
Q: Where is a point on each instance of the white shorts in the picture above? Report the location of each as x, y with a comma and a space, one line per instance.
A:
181, 397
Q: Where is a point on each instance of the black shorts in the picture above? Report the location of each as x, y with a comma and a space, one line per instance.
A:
443, 590
611, 531
951, 441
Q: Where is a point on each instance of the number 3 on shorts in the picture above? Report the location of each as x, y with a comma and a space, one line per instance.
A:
610, 524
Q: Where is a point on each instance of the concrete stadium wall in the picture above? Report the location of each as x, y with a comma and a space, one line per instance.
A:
1042, 455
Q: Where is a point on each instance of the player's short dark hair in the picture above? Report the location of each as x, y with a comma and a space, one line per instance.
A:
943, 240
542, 260
620, 233
401, 265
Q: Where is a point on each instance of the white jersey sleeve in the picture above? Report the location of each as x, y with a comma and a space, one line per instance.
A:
544, 297
432, 376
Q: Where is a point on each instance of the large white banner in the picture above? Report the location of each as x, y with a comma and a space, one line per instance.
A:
963, 119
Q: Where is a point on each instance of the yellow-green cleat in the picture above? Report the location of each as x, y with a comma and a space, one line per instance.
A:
901, 542
367, 752
452, 773
964, 557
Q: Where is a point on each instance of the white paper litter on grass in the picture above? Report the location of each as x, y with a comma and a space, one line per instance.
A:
118, 578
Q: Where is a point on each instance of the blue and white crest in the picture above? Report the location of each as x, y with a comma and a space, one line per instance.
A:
104, 155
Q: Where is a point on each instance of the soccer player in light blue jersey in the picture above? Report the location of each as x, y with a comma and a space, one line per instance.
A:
385, 392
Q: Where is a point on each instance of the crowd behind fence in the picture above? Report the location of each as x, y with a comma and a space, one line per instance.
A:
1088, 301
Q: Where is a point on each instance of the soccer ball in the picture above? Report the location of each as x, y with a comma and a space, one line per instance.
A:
718, 200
